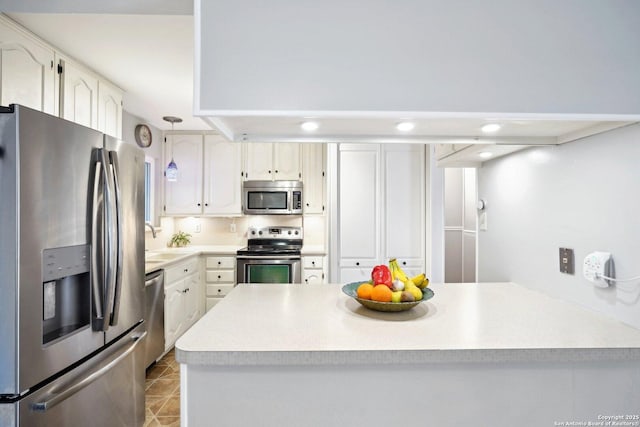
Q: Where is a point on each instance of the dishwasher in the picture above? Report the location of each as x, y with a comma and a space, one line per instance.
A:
154, 316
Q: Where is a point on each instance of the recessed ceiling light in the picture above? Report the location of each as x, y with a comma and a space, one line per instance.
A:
309, 126
485, 154
405, 126
491, 127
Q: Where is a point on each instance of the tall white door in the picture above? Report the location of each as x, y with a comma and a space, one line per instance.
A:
313, 177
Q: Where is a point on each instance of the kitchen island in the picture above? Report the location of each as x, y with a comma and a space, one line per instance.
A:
476, 354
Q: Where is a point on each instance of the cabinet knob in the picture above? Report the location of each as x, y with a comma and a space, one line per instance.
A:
221, 262
269, 170
206, 204
219, 290
186, 270
313, 263
276, 170
357, 263
404, 262
219, 277
307, 204
198, 204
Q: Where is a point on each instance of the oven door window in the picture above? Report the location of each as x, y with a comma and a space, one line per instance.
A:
267, 200
268, 273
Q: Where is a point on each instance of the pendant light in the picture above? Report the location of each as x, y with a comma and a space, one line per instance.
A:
172, 169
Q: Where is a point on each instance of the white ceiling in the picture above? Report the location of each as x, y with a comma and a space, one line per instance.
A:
150, 57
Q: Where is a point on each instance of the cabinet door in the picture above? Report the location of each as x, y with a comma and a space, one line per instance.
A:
313, 177
27, 74
78, 95
109, 109
222, 180
259, 161
286, 161
359, 203
173, 312
193, 298
404, 212
184, 196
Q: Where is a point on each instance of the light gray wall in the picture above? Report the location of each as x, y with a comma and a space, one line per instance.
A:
583, 195
526, 56
129, 123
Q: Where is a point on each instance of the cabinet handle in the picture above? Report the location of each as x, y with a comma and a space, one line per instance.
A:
313, 263
198, 204
307, 204
186, 270
206, 204
357, 263
276, 170
404, 262
219, 290
219, 277
269, 171
219, 262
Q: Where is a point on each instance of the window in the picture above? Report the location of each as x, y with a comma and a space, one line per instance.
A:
149, 163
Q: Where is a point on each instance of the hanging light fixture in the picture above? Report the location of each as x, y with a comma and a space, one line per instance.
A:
172, 169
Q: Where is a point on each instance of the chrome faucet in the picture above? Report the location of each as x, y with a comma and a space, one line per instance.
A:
153, 230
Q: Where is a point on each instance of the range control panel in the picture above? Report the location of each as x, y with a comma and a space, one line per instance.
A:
275, 233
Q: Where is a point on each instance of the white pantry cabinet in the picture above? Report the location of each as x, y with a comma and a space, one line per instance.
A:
272, 161
209, 175
314, 160
183, 300
380, 208
27, 72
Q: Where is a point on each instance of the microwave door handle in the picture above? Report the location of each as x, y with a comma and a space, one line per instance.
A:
118, 217
97, 242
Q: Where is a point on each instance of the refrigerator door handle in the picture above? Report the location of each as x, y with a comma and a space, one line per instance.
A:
56, 398
118, 237
110, 225
97, 240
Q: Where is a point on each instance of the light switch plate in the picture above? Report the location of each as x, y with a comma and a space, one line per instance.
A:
566, 261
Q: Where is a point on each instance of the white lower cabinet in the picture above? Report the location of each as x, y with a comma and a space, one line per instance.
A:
313, 270
183, 301
220, 278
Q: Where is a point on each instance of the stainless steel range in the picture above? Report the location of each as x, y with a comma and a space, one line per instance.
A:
271, 256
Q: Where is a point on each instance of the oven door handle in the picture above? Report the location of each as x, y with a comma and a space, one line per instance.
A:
268, 257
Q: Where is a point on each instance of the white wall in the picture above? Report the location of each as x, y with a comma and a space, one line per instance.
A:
583, 195
526, 56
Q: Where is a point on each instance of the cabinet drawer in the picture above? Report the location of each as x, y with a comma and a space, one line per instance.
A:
181, 270
358, 263
221, 262
218, 290
410, 263
220, 276
312, 262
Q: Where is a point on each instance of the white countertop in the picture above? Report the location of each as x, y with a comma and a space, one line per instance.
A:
270, 324
186, 252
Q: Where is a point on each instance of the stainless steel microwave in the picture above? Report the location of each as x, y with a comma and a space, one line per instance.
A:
272, 197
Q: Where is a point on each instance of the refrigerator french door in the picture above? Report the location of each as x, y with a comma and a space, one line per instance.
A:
71, 272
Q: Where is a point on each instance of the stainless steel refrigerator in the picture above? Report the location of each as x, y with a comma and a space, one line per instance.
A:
71, 274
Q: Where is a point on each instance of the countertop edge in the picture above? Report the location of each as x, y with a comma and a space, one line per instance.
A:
388, 357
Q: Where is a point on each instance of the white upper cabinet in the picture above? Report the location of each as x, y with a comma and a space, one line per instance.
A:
109, 109
222, 176
272, 161
184, 196
79, 94
27, 72
314, 159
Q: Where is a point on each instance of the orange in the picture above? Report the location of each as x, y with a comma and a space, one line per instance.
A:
381, 293
364, 290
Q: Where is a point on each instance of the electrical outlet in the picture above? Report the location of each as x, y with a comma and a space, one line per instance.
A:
197, 228
232, 227
596, 264
566, 261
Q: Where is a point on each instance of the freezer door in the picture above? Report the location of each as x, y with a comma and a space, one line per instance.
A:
106, 391
46, 303
127, 163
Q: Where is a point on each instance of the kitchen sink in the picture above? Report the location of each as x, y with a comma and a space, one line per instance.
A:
163, 256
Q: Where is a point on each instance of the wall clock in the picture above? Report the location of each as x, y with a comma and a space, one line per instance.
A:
143, 135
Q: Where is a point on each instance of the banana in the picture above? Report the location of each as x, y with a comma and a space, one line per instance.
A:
424, 283
418, 279
396, 271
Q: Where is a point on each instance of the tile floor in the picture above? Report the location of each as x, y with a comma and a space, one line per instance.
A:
162, 396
